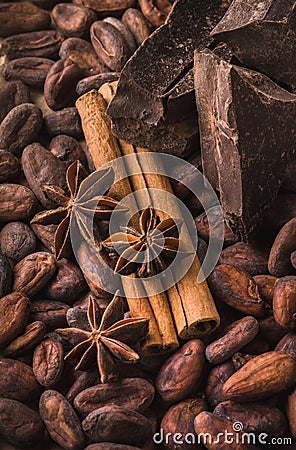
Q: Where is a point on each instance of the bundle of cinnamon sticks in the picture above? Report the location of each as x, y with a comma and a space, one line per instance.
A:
186, 310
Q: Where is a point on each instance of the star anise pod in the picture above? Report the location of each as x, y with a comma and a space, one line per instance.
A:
107, 341
87, 204
146, 252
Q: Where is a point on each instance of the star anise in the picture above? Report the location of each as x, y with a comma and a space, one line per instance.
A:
146, 252
108, 341
89, 203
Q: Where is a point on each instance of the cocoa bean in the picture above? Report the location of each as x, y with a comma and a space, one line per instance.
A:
21, 17
48, 362
265, 285
45, 233
61, 421
180, 418
215, 382
109, 44
17, 202
256, 417
124, 30
203, 227
17, 240
261, 377
14, 314
67, 149
135, 394
95, 82
31, 336
9, 166
242, 332
181, 374
155, 11
287, 345
279, 263
13, 93
20, 425
67, 121
17, 381
235, 287
137, 24
84, 381
20, 127
52, 313
39, 44
73, 20
284, 302
31, 71
33, 272
41, 167
253, 258
60, 84
118, 425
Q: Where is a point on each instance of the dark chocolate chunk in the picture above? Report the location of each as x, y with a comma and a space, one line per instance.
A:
248, 133
262, 34
154, 104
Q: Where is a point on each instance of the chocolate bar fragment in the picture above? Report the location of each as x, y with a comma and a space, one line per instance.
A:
154, 106
248, 135
262, 34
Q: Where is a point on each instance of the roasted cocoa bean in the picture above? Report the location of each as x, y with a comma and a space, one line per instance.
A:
155, 11
20, 425
48, 362
31, 71
241, 333
13, 93
33, 272
236, 288
180, 418
203, 227
6, 275
256, 417
265, 285
67, 149
253, 258
67, 121
67, 284
118, 425
181, 374
17, 381
261, 377
52, 313
41, 167
109, 44
95, 82
60, 84
82, 53
287, 345
21, 17
137, 24
20, 127
124, 30
215, 382
45, 233
39, 44
31, 336
279, 263
17, 202
73, 20
17, 240
14, 313
9, 166
135, 394
284, 302
207, 424
106, 5
290, 411
83, 382
61, 421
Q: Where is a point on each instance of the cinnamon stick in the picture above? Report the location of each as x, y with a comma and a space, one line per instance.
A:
105, 148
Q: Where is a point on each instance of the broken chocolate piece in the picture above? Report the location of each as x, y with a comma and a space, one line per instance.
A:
247, 138
262, 34
154, 104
